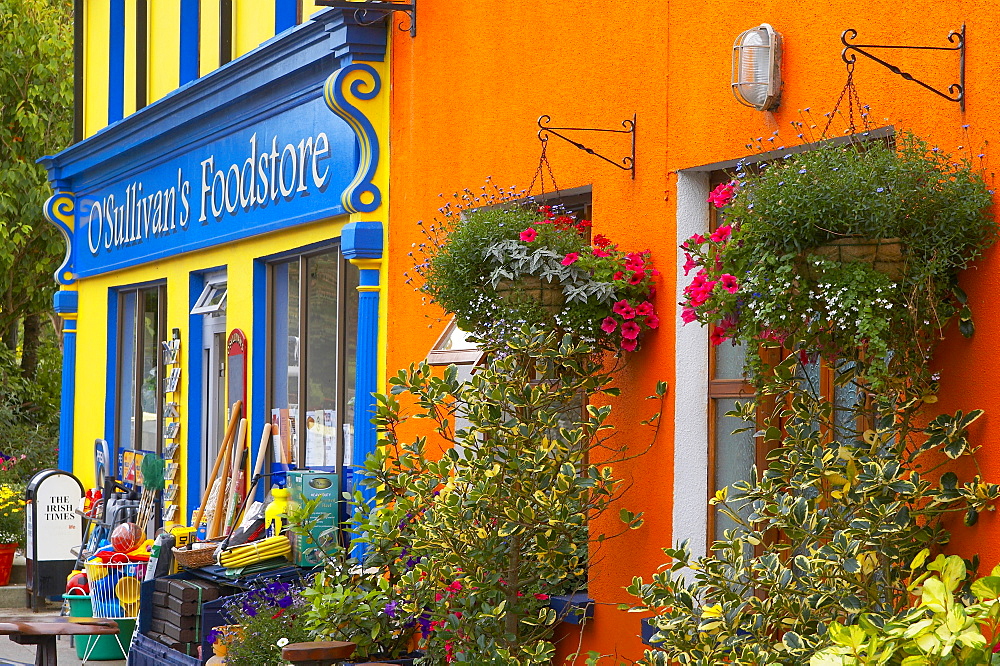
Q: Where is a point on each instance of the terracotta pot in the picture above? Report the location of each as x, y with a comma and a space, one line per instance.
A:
884, 254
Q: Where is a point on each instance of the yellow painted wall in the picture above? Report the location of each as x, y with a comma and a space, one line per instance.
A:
95, 62
93, 329
254, 23
164, 47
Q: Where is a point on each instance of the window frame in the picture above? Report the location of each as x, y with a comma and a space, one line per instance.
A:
134, 440
301, 257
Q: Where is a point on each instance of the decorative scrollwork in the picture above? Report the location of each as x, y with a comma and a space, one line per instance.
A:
956, 91
361, 195
60, 210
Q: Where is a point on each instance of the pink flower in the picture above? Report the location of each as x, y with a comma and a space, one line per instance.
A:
623, 309
688, 315
723, 194
617, 276
455, 587
609, 325
722, 233
438, 596
644, 309
598, 252
635, 263
541, 597
570, 258
689, 264
728, 283
637, 277
528, 235
718, 336
654, 322
630, 345
630, 330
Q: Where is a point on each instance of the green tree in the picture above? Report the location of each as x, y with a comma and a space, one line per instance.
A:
36, 118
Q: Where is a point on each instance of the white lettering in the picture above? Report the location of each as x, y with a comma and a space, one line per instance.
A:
289, 149
95, 221
318, 180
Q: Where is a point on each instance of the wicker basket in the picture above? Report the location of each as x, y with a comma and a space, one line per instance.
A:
884, 255
197, 554
532, 288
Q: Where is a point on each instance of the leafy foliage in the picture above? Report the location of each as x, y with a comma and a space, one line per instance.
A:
36, 102
471, 545
944, 628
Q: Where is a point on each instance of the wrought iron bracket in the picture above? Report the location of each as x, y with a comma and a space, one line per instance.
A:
626, 164
956, 91
367, 12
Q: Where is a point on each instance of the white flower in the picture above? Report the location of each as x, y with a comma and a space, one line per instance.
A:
282, 642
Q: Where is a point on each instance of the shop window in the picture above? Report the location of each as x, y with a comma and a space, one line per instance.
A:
312, 349
141, 329
213, 297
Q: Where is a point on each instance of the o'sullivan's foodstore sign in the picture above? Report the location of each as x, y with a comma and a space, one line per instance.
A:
286, 170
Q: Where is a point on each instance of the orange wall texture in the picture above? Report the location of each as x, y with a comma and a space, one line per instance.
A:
466, 93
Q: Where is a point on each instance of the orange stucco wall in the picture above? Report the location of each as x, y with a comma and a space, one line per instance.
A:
466, 93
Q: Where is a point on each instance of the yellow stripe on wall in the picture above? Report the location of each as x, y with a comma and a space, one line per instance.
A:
130, 42
164, 47
254, 23
209, 37
95, 62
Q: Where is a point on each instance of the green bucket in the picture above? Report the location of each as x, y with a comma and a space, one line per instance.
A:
105, 648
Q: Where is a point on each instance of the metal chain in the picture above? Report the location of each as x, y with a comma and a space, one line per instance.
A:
852, 100
540, 173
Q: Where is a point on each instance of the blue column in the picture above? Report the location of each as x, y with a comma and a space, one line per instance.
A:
116, 64
361, 243
65, 305
190, 40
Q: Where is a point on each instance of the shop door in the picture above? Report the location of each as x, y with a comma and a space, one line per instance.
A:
213, 385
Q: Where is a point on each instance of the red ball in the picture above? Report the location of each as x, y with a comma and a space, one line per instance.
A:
126, 537
78, 584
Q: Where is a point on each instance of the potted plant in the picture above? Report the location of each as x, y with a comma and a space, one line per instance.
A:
498, 267
841, 245
272, 614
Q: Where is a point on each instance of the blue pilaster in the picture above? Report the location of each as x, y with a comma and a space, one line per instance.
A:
190, 42
116, 61
65, 305
361, 243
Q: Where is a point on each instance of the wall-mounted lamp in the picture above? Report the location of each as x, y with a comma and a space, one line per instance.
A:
757, 67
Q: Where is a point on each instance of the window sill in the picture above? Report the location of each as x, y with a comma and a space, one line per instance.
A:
573, 608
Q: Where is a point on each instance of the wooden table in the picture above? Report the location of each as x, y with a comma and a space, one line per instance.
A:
42, 632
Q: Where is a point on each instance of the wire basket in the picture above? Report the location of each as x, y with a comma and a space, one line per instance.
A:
114, 588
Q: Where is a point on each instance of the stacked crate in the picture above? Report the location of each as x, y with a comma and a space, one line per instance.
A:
176, 613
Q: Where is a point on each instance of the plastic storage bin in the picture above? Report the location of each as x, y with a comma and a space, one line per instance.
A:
104, 648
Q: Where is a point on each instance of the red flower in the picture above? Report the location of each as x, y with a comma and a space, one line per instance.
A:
722, 233
570, 258
722, 194
630, 345
600, 240
654, 322
528, 235
729, 283
621, 307
617, 276
688, 315
718, 336
689, 264
644, 309
630, 330
599, 252
609, 325
541, 597
637, 277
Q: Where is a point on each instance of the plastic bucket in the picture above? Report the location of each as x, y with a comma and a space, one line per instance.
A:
105, 648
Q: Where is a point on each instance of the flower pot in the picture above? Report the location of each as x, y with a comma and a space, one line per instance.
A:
530, 287
6, 561
885, 255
